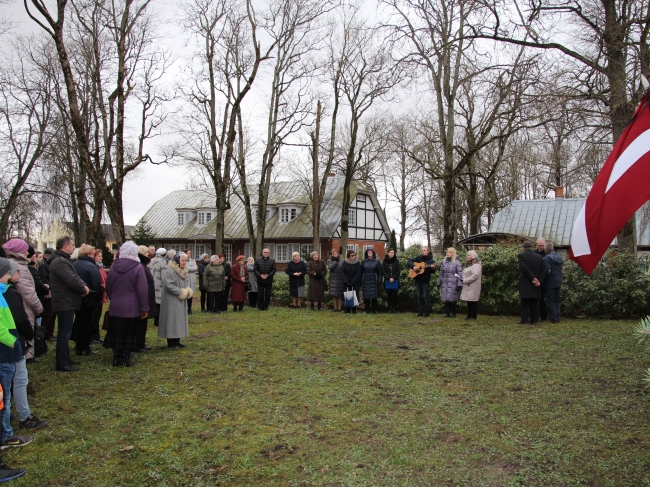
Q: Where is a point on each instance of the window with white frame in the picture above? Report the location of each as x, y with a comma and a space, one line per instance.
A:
175, 247
361, 198
305, 251
227, 252
181, 219
202, 249
352, 217
287, 215
208, 217
353, 247
282, 253
247, 250
201, 218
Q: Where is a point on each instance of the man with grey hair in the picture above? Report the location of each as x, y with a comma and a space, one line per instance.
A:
264, 269
553, 265
541, 242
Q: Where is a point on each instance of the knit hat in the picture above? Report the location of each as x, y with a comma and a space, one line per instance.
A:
16, 245
30, 252
202, 256
49, 250
161, 251
241, 256
143, 250
5, 267
14, 267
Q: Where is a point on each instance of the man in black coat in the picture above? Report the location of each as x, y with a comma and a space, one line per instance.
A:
422, 280
264, 271
49, 318
541, 242
66, 289
531, 277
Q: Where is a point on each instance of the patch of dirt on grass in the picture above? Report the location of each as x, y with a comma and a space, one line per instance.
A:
279, 451
312, 361
448, 437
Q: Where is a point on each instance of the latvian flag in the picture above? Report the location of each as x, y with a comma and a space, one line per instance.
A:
621, 188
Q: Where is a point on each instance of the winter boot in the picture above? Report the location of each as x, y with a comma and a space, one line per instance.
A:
447, 309
374, 306
320, 306
453, 310
366, 302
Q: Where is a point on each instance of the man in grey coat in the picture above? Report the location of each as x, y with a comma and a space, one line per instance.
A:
553, 266
531, 278
67, 289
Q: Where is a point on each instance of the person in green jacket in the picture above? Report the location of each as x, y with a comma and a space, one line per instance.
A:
213, 281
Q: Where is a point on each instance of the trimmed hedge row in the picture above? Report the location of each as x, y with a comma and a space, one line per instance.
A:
618, 288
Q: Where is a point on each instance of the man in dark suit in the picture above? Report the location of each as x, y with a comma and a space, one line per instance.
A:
541, 242
531, 277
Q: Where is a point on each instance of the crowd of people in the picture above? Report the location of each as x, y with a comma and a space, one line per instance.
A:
69, 285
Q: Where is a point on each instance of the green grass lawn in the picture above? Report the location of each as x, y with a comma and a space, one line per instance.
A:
290, 397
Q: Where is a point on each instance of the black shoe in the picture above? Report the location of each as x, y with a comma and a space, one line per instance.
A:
32, 360
189, 312
420, 314
144, 348
471, 318
8, 474
117, 361
180, 345
453, 315
447, 315
72, 361
96, 341
33, 422
17, 441
87, 352
67, 369
425, 314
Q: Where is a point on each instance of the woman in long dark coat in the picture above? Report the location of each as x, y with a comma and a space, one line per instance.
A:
317, 271
337, 281
239, 275
352, 277
143, 255
450, 282
391, 270
204, 260
371, 274
296, 269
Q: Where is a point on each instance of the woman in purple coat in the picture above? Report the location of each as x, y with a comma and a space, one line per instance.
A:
128, 291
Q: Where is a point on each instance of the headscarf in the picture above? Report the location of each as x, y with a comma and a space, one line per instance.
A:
202, 256
16, 245
161, 251
129, 250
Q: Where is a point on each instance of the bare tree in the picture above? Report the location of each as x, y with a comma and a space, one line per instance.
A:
26, 110
607, 40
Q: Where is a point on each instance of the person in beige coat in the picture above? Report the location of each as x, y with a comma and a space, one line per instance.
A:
472, 284
16, 250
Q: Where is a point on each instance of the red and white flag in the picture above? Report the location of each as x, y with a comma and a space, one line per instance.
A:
621, 188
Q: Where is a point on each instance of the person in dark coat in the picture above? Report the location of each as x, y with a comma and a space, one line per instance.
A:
143, 255
450, 282
227, 269
264, 272
391, 270
541, 250
204, 260
239, 275
352, 276
422, 280
66, 289
337, 281
128, 290
214, 282
296, 269
48, 317
98, 257
371, 274
531, 279
317, 271
89, 273
553, 265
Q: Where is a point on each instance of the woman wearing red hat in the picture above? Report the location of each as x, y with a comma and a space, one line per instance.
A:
239, 278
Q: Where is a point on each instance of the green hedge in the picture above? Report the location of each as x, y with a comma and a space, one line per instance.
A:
618, 288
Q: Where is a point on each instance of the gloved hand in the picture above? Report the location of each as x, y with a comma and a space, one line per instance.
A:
459, 288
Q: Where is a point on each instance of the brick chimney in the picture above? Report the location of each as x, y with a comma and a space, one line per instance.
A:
559, 192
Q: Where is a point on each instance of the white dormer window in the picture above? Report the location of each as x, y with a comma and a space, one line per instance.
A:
208, 217
201, 218
181, 219
287, 215
361, 198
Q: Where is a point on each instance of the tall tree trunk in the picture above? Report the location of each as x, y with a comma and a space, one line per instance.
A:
315, 139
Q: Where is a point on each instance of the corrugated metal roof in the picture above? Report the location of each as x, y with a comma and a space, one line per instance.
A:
163, 218
552, 219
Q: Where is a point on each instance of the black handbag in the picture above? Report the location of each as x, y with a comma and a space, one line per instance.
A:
248, 286
40, 343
